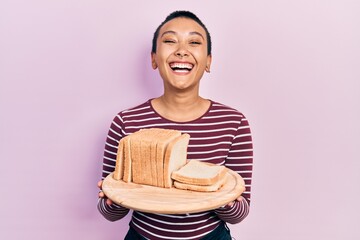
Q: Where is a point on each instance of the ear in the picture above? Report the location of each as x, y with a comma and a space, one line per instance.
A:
153, 61
208, 63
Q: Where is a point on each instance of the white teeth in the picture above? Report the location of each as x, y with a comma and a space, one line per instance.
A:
181, 70
181, 65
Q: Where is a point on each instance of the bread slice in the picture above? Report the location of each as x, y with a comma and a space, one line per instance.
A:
199, 173
175, 157
136, 158
164, 137
119, 167
146, 138
198, 188
127, 176
155, 134
154, 173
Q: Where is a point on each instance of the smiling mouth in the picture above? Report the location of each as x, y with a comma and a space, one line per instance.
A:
181, 67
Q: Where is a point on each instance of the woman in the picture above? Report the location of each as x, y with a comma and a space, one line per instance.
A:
218, 134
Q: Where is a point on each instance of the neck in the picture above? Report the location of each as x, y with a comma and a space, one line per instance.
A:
180, 102
181, 108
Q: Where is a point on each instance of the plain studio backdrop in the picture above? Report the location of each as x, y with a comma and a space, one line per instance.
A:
292, 67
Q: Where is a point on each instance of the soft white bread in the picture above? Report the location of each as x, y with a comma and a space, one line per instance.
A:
198, 188
119, 167
199, 173
175, 157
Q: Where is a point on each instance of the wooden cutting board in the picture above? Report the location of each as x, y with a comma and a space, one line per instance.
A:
151, 199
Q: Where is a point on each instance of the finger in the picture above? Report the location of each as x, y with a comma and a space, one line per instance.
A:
99, 184
109, 202
230, 204
239, 199
101, 194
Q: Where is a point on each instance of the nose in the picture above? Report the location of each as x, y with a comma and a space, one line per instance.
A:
181, 52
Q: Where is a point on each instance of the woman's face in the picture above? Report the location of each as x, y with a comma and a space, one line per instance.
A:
181, 54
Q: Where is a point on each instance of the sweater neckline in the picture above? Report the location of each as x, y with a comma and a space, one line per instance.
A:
178, 122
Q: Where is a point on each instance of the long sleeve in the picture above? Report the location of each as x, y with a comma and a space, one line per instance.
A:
240, 160
112, 212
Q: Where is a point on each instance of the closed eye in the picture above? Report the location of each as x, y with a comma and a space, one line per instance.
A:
169, 41
195, 43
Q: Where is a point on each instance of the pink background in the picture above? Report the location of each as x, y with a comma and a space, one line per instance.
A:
293, 67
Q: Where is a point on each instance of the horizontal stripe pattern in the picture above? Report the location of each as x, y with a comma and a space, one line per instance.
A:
221, 136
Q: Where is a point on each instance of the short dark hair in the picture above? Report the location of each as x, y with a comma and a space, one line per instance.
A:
183, 14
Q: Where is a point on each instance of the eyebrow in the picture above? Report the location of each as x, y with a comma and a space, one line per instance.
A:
191, 33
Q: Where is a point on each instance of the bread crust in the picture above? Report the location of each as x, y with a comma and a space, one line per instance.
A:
210, 188
127, 177
119, 167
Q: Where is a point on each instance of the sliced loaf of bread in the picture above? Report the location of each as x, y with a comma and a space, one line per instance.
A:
150, 156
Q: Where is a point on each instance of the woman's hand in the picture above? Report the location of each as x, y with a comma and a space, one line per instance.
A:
102, 195
230, 204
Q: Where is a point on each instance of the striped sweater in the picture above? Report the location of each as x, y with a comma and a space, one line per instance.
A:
221, 136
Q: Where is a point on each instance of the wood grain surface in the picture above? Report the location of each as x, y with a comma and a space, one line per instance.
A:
151, 199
